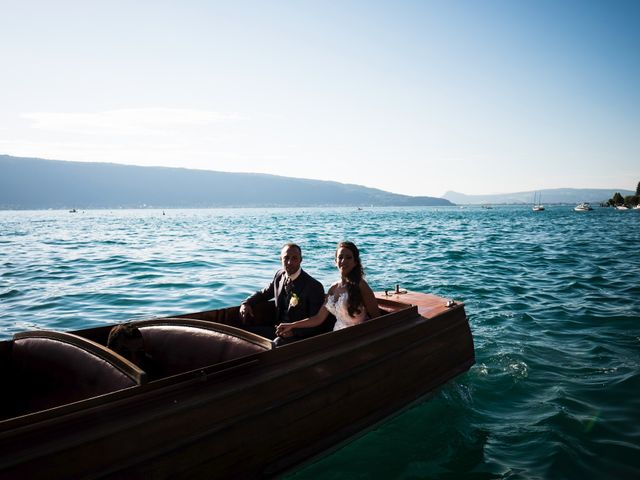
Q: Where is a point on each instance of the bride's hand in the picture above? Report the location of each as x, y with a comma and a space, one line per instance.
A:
284, 329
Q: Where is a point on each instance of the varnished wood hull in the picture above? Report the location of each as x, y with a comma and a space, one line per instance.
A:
250, 417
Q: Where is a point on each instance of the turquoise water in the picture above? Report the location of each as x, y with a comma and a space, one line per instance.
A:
553, 300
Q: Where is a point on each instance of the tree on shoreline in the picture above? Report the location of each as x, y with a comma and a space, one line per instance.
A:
616, 200
628, 200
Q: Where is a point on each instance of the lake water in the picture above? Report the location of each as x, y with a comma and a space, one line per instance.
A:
553, 300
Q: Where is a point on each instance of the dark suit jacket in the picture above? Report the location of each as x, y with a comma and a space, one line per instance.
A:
310, 294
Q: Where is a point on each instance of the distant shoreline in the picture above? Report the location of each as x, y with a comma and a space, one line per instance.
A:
283, 207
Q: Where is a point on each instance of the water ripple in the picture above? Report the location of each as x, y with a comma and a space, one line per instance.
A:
553, 300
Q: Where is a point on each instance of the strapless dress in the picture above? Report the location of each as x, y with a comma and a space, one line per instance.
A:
338, 307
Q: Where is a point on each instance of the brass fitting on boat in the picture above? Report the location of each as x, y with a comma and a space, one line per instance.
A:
397, 291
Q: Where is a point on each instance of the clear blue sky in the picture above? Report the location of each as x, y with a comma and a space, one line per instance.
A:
410, 97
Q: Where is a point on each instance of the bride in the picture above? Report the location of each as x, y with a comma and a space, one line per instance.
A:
350, 300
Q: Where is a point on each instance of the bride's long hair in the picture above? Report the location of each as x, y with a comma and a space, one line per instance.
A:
354, 302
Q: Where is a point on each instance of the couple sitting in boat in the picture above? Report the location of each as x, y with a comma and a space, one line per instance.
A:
302, 310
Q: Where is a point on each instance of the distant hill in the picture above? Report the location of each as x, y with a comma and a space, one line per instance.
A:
33, 183
554, 195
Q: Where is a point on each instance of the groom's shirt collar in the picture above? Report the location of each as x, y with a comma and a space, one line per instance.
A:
294, 276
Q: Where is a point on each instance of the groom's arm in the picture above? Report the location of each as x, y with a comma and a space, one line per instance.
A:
264, 295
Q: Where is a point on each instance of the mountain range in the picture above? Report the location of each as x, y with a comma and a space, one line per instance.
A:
34, 183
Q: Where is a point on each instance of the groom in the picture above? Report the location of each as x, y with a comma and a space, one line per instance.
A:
297, 295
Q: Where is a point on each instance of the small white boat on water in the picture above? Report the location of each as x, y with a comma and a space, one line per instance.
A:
537, 207
583, 207
622, 207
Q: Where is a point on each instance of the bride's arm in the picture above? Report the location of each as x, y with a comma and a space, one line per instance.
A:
284, 329
369, 299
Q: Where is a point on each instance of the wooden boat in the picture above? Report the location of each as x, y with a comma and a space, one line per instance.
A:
226, 404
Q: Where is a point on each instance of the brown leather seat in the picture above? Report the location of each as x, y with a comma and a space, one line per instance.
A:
178, 345
56, 368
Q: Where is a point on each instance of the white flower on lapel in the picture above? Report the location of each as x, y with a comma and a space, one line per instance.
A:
295, 299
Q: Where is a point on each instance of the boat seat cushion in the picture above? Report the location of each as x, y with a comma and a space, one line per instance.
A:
54, 368
179, 348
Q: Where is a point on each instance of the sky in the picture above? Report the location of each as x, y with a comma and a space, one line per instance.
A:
412, 97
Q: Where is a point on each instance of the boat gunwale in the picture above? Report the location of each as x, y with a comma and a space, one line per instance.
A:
305, 347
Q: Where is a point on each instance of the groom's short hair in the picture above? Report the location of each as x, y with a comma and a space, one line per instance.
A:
292, 245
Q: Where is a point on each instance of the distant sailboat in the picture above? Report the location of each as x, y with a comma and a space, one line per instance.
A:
537, 207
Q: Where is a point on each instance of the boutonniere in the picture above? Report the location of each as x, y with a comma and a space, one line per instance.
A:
295, 299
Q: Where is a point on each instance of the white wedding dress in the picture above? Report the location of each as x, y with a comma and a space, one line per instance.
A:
338, 308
